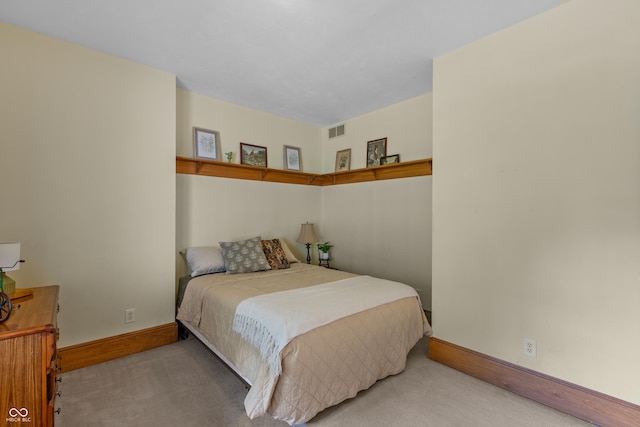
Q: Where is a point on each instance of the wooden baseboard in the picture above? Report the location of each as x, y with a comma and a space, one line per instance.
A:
86, 354
583, 403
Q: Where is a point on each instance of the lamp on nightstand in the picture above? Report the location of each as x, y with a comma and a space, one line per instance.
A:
307, 236
9, 261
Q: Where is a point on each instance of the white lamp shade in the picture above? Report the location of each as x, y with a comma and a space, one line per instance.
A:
9, 256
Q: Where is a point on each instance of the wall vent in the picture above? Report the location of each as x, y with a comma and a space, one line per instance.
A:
336, 131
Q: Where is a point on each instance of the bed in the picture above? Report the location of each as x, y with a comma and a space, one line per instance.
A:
355, 342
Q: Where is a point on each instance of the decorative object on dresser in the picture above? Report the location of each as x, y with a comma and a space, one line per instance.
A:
206, 144
292, 158
9, 261
253, 155
375, 150
28, 360
307, 236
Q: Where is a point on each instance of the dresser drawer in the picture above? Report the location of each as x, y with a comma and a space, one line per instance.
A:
28, 359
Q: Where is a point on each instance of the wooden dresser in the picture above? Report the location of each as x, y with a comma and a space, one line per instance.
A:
28, 360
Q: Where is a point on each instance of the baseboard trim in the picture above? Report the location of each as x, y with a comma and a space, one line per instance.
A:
98, 351
581, 402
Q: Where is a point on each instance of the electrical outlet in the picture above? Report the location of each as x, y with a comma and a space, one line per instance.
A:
130, 315
530, 347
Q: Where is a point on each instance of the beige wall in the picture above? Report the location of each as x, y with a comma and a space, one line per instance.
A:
406, 125
91, 140
96, 211
88, 171
238, 124
383, 228
536, 203
211, 209
380, 228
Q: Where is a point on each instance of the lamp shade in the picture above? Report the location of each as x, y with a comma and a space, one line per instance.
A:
9, 256
307, 234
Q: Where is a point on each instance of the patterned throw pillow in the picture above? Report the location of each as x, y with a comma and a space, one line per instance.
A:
244, 256
276, 257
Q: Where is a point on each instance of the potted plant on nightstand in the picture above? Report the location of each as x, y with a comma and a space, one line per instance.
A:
324, 249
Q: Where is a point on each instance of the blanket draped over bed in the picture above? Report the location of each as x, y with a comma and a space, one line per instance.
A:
319, 367
271, 321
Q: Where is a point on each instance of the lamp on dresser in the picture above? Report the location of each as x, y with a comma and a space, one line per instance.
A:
307, 236
9, 261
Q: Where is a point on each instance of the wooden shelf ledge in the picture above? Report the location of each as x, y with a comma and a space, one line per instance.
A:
189, 166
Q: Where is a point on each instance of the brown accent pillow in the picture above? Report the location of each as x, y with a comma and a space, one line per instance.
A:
275, 255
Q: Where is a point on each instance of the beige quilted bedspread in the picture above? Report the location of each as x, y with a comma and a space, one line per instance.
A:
320, 368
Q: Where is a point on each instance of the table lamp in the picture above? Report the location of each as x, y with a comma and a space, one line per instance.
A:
9, 261
307, 236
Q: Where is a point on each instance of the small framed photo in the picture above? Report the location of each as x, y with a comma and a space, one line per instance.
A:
292, 158
387, 160
253, 155
343, 160
375, 150
206, 144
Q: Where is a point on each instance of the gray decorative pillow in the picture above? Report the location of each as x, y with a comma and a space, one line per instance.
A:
244, 256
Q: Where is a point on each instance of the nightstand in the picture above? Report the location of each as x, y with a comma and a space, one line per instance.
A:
324, 262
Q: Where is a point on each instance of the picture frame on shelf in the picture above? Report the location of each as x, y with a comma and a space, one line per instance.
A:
387, 160
292, 158
206, 144
253, 155
343, 160
375, 150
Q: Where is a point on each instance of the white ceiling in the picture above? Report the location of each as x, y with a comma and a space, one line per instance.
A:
316, 61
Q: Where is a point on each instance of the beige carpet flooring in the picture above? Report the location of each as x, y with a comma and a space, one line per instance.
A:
182, 384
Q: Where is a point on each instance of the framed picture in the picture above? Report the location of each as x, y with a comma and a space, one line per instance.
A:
387, 160
343, 160
292, 158
253, 155
206, 144
376, 149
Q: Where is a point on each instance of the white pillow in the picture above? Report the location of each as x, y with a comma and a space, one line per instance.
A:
287, 252
204, 260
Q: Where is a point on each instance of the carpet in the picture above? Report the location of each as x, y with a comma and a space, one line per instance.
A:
183, 384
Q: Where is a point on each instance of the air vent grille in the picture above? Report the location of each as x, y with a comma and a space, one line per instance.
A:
336, 131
